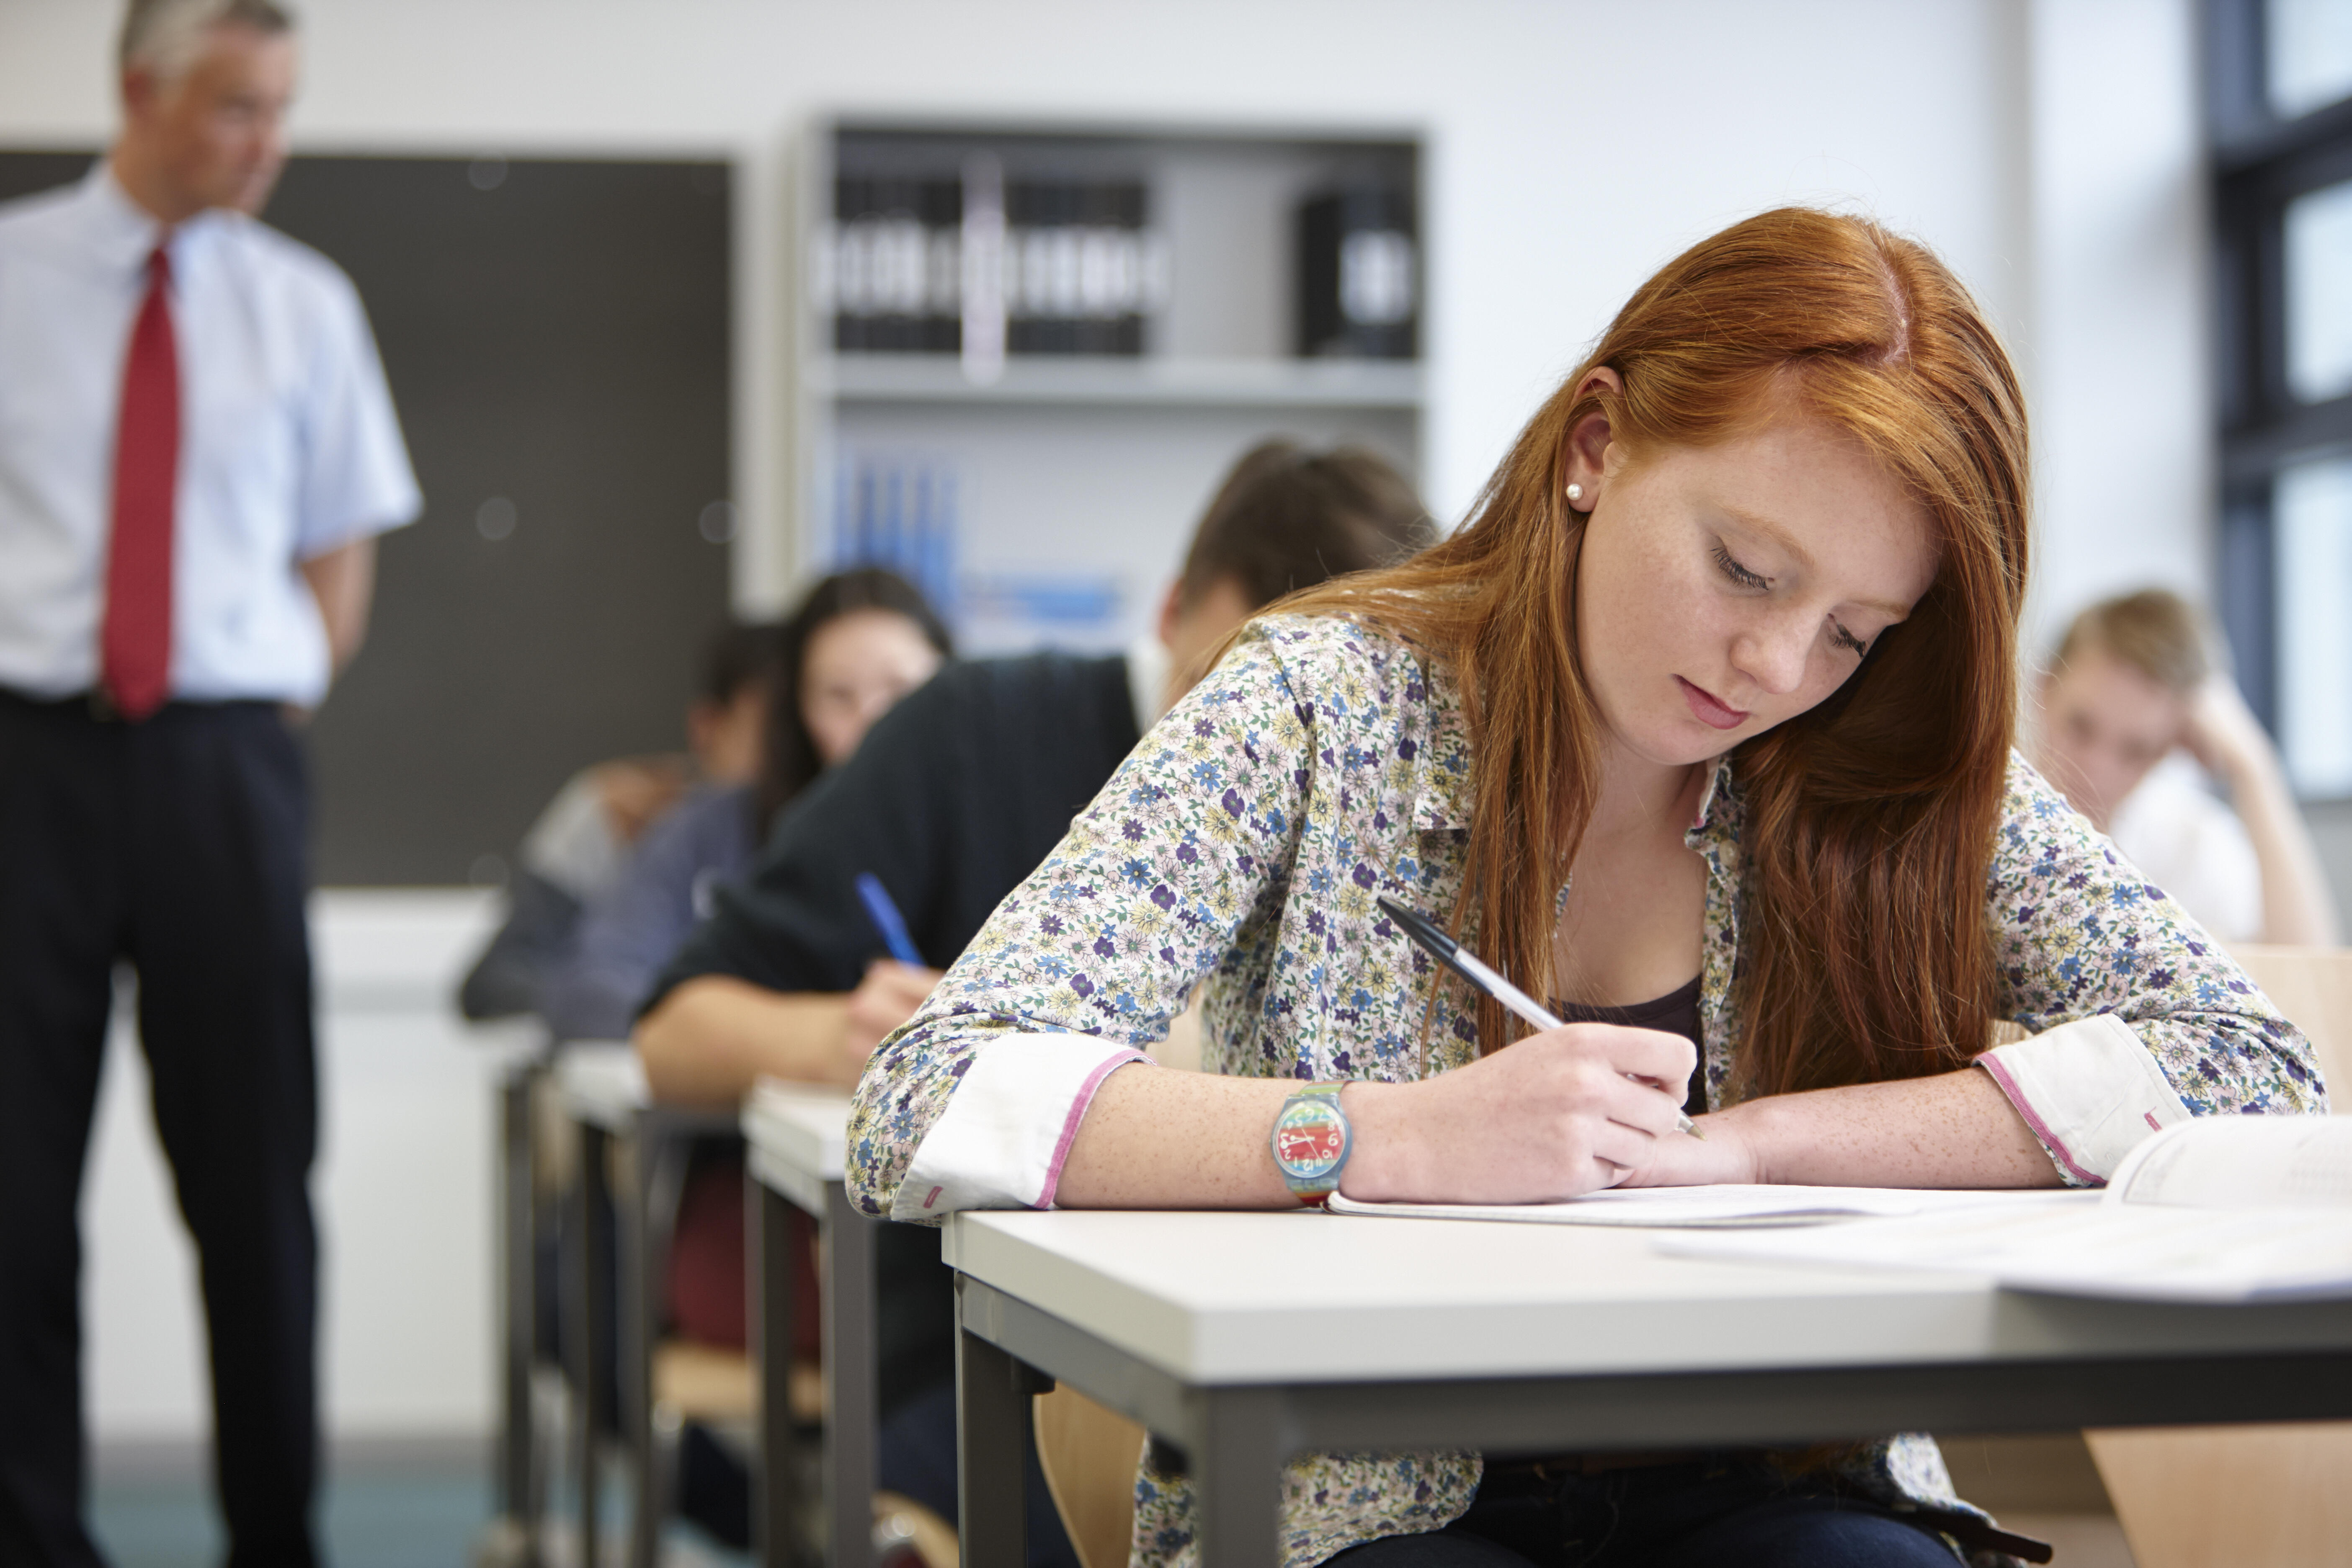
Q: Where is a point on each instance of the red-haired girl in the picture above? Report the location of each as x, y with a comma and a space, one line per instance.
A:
1701, 725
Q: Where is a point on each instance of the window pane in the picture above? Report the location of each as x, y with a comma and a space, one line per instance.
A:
2314, 513
2310, 53
2319, 292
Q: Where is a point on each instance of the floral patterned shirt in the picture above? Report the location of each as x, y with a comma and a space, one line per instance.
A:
1243, 841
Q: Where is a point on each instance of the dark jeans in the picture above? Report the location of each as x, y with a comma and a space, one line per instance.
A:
1733, 1512
176, 846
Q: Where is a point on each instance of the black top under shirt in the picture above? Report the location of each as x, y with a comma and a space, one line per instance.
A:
955, 795
1675, 1013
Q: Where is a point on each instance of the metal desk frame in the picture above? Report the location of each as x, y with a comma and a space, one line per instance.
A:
645, 1126
847, 1283
519, 1479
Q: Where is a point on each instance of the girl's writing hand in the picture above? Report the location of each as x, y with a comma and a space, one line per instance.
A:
1557, 1114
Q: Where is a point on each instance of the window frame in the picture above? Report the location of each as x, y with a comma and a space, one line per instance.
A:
2259, 164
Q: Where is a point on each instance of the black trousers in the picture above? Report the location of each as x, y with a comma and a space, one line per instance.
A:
176, 846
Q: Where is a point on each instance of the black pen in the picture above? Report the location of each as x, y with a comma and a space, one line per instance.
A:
1448, 952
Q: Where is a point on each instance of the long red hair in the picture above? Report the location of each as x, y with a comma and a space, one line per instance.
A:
1869, 820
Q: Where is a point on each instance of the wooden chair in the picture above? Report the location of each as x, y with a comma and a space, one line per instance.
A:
2208, 1497
1089, 1454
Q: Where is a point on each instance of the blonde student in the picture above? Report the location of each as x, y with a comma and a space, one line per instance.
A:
1699, 728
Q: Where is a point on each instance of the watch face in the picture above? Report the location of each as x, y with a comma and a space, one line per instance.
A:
1310, 1138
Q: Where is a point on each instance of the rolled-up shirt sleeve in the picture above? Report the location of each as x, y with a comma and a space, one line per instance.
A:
2136, 1017
1002, 1139
2089, 1089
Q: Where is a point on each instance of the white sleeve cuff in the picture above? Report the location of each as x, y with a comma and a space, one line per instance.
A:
1007, 1128
2089, 1089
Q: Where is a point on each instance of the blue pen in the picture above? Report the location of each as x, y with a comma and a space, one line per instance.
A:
887, 919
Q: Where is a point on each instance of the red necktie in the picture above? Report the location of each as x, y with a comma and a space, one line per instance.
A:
135, 643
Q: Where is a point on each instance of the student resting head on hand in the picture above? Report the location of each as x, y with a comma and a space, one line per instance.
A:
1700, 727
2133, 681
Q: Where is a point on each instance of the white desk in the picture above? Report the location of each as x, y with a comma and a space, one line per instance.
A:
795, 1139
601, 1088
1241, 1340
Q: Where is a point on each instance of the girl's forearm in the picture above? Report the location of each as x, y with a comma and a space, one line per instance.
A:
1954, 1129
1158, 1137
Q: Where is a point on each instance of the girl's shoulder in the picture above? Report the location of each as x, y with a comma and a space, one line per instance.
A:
2033, 812
1320, 651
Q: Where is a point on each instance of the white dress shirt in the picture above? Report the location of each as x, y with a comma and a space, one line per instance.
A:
289, 446
2194, 847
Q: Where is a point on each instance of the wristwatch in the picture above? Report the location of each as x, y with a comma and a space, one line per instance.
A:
1311, 1142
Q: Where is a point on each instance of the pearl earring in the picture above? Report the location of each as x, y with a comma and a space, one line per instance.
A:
1575, 494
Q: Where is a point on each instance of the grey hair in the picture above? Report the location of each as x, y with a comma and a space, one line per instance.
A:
165, 36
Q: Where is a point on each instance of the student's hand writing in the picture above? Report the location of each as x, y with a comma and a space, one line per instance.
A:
1558, 1114
884, 999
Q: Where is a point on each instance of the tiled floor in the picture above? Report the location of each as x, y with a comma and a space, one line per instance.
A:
417, 1509
405, 1517
428, 1510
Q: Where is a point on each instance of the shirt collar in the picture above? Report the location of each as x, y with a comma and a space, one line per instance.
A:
124, 233
1147, 681
1714, 833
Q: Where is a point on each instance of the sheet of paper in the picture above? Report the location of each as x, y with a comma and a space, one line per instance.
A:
1726, 1207
2074, 1244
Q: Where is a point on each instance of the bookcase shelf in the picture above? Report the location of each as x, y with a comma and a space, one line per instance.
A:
1047, 496
1143, 381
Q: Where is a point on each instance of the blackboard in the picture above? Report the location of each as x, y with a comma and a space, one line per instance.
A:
556, 334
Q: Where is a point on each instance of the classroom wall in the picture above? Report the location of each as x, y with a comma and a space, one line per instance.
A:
2045, 147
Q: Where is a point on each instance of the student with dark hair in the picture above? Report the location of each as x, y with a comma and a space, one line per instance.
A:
955, 797
967, 786
804, 696
849, 654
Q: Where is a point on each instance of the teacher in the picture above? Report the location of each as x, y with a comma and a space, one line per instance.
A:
196, 451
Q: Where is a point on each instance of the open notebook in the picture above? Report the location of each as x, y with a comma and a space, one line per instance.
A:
2236, 1209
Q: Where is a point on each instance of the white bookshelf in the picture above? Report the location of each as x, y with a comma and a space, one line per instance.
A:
1088, 472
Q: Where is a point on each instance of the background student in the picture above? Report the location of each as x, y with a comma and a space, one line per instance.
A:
788, 701
955, 795
858, 642
189, 499
1704, 714
965, 787
582, 841
2131, 685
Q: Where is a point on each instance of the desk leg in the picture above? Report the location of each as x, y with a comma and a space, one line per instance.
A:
1237, 1481
591, 1195
639, 1295
775, 1532
518, 1499
845, 1269
992, 1433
